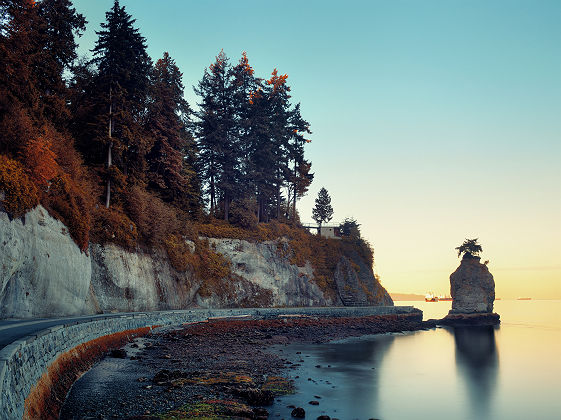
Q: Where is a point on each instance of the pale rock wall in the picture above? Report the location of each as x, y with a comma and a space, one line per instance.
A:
43, 273
126, 281
42, 270
264, 265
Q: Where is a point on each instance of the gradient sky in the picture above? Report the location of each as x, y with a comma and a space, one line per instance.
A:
433, 121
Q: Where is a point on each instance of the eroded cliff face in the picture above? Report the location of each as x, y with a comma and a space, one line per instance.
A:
43, 273
263, 266
133, 281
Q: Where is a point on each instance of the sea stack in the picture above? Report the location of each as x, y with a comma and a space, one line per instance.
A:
472, 288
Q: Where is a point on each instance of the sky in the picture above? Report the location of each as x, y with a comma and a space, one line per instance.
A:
433, 121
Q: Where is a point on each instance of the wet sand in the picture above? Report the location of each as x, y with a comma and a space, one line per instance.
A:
217, 369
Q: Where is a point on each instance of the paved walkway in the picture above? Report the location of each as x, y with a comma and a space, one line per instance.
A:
14, 329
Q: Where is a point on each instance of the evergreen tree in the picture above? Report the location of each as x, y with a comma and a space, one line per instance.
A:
244, 83
470, 248
116, 100
281, 133
322, 212
350, 228
218, 158
59, 23
171, 158
300, 177
20, 105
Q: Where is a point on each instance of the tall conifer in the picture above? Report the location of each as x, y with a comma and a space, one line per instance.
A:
116, 101
173, 152
217, 142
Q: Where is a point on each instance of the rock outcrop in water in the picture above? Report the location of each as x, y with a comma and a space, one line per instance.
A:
472, 288
43, 273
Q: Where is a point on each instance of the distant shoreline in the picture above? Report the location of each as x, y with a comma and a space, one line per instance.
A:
407, 296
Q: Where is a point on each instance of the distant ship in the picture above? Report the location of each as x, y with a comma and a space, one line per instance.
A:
431, 297
524, 298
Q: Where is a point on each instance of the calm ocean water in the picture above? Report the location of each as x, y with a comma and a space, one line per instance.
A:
509, 372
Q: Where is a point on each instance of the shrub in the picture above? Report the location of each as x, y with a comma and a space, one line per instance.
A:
178, 252
112, 225
19, 192
41, 160
242, 213
69, 203
212, 268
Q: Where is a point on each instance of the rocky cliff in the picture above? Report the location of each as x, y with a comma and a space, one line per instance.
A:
43, 273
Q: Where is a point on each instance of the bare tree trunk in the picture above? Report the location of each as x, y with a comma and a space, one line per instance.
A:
278, 194
212, 194
109, 157
294, 209
294, 197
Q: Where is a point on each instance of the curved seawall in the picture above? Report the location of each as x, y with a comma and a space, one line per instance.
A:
33, 366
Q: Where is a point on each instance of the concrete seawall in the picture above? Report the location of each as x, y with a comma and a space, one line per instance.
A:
26, 362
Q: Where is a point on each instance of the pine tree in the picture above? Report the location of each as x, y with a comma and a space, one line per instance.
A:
300, 177
115, 102
281, 133
218, 158
243, 83
322, 212
171, 158
59, 23
20, 48
260, 151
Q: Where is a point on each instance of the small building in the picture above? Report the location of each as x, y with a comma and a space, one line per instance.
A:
328, 231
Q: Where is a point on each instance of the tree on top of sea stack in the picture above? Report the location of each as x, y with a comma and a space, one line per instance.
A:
322, 212
470, 248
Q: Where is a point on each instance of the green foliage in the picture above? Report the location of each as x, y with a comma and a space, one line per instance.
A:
350, 228
172, 155
219, 150
243, 213
322, 212
250, 140
470, 248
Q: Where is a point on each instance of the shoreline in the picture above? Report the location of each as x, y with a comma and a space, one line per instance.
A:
221, 367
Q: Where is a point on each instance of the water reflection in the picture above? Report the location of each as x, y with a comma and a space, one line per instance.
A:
477, 362
359, 362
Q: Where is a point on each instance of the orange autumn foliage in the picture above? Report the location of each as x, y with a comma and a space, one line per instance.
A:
70, 204
41, 160
114, 226
245, 63
18, 194
278, 81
